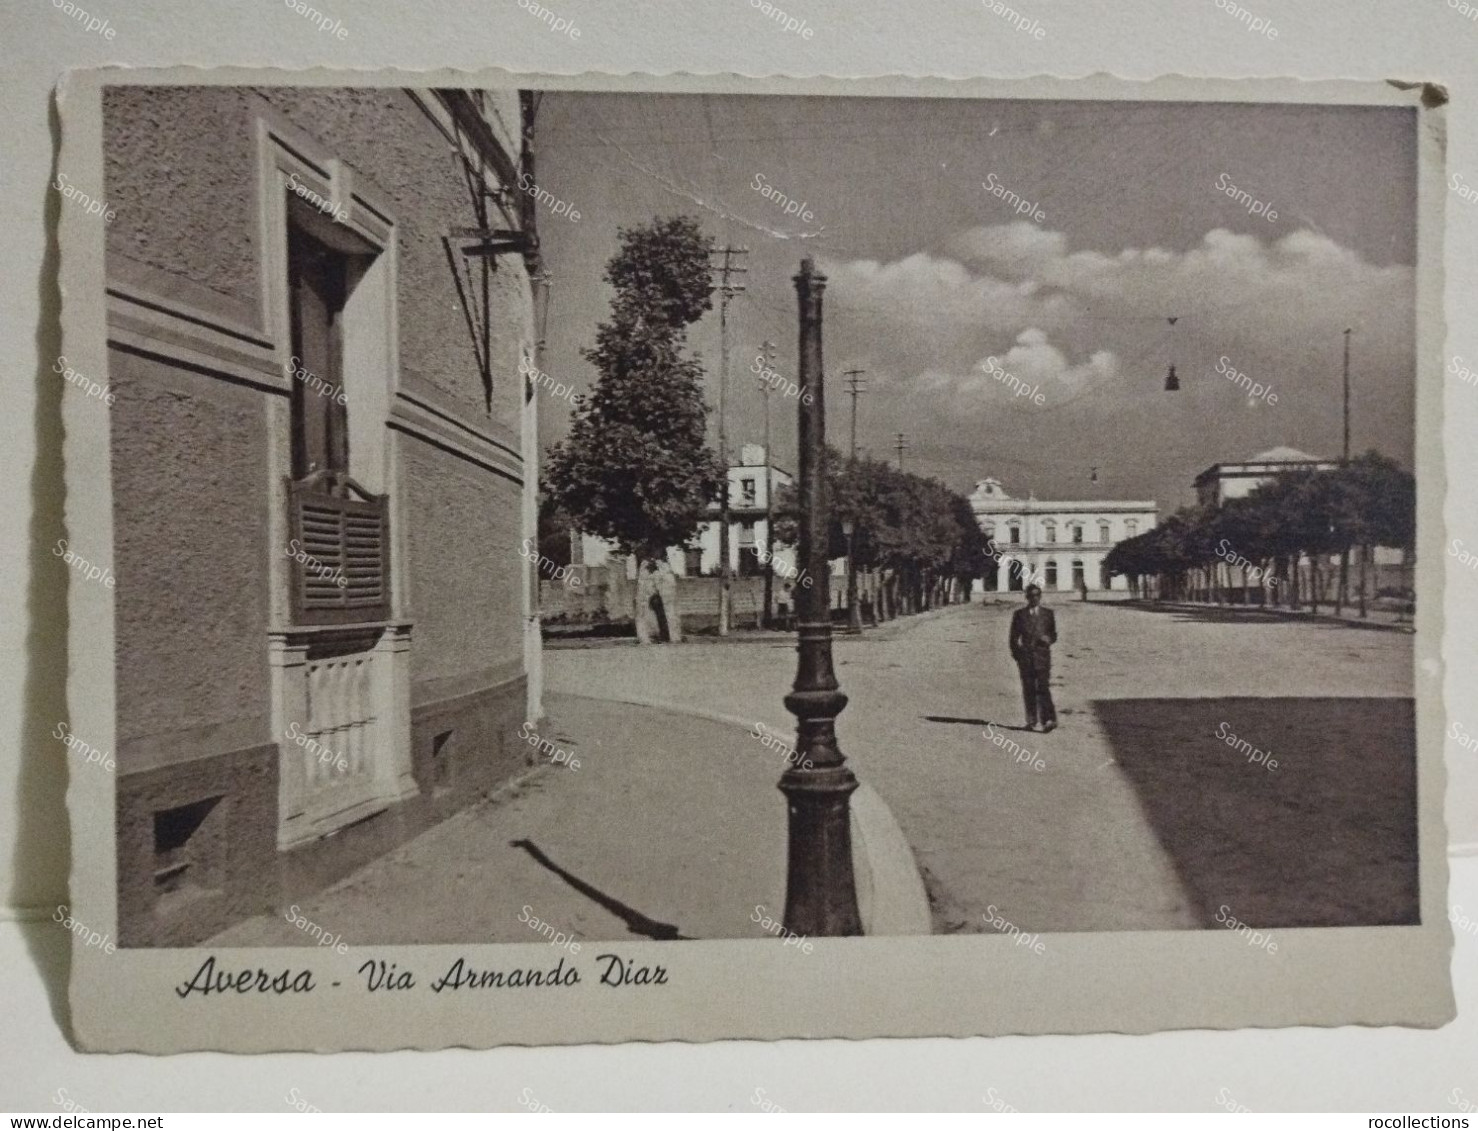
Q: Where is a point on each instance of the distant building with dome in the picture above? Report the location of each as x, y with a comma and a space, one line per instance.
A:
1223, 481
1059, 545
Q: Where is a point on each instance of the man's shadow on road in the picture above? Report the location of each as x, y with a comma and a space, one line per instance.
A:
971, 722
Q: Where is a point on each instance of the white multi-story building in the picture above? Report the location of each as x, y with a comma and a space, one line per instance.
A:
1223, 481
749, 488
1058, 545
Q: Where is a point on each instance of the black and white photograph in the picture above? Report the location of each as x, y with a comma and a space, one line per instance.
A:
552, 525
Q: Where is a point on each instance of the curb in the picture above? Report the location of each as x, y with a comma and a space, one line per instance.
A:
1285, 614
890, 892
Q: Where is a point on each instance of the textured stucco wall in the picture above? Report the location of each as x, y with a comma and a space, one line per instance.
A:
462, 532
189, 462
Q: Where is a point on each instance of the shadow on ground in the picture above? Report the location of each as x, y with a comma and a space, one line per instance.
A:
1250, 614
1328, 838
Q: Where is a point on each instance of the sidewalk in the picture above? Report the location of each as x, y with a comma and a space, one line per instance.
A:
1383, 620
670, 827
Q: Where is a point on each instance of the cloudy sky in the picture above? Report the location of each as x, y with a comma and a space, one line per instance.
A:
940, 287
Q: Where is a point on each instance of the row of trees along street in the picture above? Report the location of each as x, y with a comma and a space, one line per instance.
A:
1255, 544
637, 471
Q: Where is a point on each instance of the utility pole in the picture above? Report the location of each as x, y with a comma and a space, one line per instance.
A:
1344, 554
767, 354
854, 611
900, 446
727, 289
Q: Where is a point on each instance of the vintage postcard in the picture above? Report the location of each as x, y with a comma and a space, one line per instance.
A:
588, 558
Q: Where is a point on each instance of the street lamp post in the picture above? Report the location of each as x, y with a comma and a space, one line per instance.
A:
820, 891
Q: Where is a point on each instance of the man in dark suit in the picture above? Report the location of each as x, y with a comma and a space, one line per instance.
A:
1033, 632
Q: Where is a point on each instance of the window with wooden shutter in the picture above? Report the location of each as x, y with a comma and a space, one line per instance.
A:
340, 538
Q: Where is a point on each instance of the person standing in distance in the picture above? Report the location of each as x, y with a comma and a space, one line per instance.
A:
1033, 632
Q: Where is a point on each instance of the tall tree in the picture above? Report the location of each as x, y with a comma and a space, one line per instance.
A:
636, 468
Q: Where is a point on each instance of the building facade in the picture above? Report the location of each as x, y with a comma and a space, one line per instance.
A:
1223, 481
322, 471
1059, 545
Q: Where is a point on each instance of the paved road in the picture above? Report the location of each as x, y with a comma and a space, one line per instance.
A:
1141, 816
